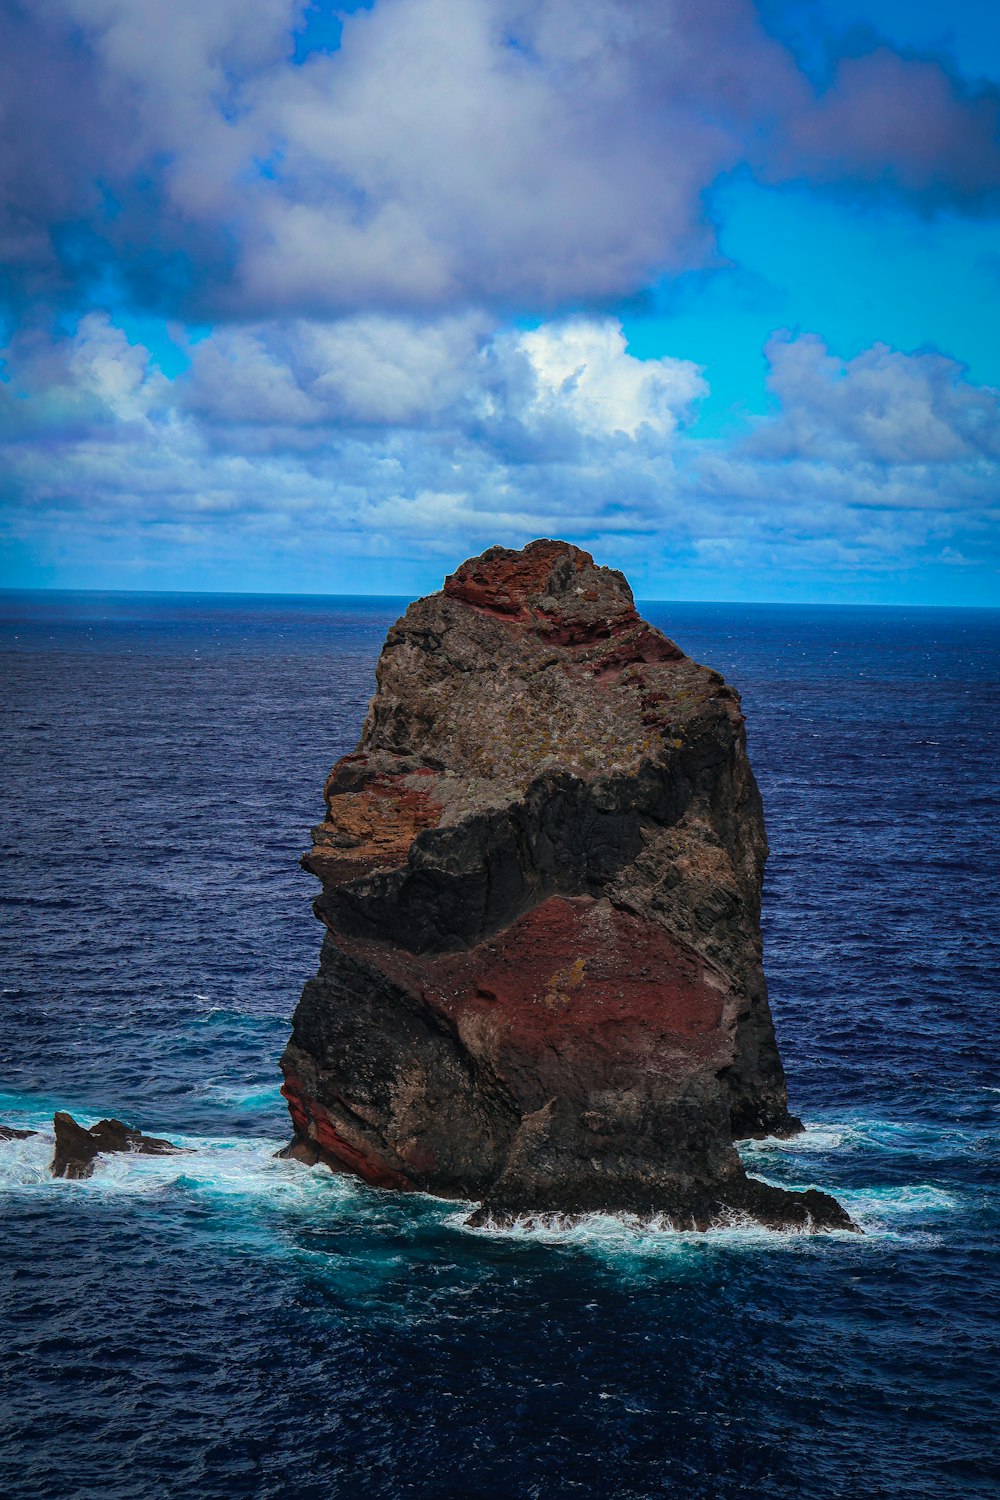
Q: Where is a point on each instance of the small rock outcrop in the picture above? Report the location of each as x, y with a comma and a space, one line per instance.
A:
541, 986
12, 1133
77, 1147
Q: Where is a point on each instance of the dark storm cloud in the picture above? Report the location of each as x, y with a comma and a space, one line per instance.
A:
451, 153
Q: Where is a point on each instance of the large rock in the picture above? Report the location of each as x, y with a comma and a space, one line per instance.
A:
77, 1147
541, 985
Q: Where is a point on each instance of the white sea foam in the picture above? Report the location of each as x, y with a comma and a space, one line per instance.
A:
872, 1135
625, 1237
228, 1167
816, 1136
233, 1168
887, 1213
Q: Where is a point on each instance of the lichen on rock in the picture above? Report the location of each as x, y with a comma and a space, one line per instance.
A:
541, 986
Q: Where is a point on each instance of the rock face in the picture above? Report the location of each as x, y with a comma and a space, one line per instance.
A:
541, 985
76, 1147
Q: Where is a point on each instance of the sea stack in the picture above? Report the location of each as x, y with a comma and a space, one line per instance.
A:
541, 986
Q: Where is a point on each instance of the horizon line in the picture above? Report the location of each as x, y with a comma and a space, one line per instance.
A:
7, 589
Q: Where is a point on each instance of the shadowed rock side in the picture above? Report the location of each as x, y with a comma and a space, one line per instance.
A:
541, 985
76, 1147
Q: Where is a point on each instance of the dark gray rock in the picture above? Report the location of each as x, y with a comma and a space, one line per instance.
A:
77, 1147
542, 982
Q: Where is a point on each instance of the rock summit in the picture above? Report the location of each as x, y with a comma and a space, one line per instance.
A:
541, 986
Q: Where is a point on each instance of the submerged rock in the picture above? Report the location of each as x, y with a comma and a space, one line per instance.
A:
541, 985
12, 1133
76, 1147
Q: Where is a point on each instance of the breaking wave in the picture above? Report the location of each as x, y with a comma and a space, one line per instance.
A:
244, 1171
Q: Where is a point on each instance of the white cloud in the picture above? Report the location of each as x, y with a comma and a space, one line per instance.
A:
563, 382
388, 371
66, 387
451, 153
583, 370
882, 406
301, 447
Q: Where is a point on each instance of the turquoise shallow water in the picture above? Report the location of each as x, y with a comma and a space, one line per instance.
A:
224, 1324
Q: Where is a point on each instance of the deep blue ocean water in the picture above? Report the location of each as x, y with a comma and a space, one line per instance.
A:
224, 1324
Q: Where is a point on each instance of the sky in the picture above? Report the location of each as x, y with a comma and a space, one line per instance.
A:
307, 298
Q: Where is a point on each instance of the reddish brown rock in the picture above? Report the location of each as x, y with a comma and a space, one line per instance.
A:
541, 986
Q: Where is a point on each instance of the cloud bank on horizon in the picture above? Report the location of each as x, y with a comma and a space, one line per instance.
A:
322, 297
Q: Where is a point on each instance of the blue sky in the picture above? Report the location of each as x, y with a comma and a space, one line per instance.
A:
320, 298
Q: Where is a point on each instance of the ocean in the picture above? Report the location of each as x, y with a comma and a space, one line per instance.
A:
224, 1324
